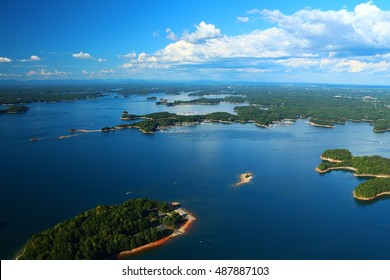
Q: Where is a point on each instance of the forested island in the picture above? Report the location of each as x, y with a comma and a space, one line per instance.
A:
163, 120
15, 109
366, 166
106, 231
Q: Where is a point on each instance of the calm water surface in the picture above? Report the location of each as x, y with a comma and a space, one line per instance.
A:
288, 211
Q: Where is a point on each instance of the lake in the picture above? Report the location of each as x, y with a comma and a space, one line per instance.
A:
288, 211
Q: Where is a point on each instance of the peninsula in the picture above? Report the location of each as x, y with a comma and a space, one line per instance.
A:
376, 167
108, 232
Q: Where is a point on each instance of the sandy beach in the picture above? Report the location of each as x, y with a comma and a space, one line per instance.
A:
160, 242
330, 159
245, 178
370, 198
321, 125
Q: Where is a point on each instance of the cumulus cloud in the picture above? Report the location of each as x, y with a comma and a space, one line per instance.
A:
312, 40
106, 71
32, 58
365, 27
45, 73
203, 32
243, 19
4, 59
87, 56
82, 55
129, 55
356, 66
170, 34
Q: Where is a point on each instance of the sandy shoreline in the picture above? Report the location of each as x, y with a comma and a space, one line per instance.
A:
177, 232
330, 159
321, 125
337, 168
348, 168
245, 178
369, 198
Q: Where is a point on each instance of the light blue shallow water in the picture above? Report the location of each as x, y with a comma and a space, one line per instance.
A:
288, 211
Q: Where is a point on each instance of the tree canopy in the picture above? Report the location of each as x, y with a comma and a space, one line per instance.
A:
103, 232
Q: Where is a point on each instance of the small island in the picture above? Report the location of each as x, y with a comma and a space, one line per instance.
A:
245, 178
376, 167
15, 109
109, 232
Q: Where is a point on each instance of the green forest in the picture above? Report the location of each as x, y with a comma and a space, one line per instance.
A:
104, 231
15, 109
364, 165
372, 165
337, 154
324, 106
373, 187
261, 103
49, 93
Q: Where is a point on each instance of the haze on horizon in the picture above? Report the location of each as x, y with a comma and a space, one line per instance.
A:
344, 41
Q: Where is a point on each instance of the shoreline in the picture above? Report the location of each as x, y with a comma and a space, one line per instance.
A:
245, 178
330, 159
348, 168
160, 242
369, 198
321, 125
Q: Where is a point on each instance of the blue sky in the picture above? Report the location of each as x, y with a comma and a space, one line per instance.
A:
247, 40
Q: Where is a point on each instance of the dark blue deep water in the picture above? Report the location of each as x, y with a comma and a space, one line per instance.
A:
288, 211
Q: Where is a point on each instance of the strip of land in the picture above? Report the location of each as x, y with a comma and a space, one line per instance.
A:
321, 125
177, 232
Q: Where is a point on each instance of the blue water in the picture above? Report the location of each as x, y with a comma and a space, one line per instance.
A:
288, 211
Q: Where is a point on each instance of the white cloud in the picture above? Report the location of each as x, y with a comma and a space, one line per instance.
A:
309, 40
129, 55
4, 75
82, 55
203, 32
87, 56
298, 62
45, 73
356, 66
253, 12
5, 59
365, 27
106, 71
35, 58
32, 58
170, 34
243, 19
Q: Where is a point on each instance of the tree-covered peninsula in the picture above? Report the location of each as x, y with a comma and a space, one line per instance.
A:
149, 123
105, 231
15, 109
365, 166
